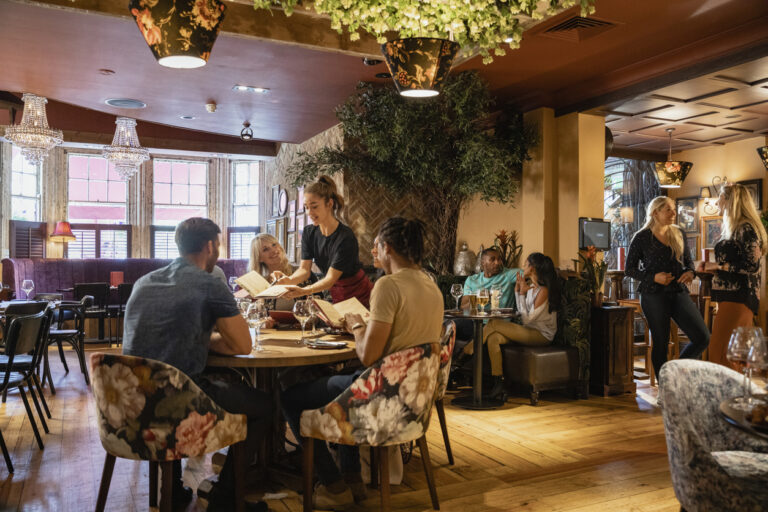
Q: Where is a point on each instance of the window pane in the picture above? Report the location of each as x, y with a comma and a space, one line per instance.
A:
179, 194
162, 193
197, 194
97, 168
162, 171
97, 190
24, 209
241, 174
78, 190
16, 178
78, 167
170, 216
113, 176
254, 170
29, 185
114, 244
246, 216
241, 195
253, 194
94, 213
180, 172
116, 192
197, 174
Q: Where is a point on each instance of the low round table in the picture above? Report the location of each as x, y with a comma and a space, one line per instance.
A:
476, 400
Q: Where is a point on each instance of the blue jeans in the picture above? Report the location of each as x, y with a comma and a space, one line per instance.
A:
658, 309
313, 395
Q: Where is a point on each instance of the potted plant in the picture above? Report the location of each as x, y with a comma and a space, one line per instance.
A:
510, 250
595, 273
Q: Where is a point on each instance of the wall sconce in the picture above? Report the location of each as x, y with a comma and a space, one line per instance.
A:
705, 193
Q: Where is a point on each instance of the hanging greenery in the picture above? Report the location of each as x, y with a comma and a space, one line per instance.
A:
487, 25
443, 151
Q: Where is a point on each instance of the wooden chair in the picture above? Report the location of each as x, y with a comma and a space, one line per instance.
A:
98, 308
149, 410
406, 381
74, 337
15, 309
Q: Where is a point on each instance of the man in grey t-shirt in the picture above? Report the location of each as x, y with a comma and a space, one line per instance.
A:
171, 316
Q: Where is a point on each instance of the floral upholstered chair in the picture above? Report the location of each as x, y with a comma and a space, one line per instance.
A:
447, 342
389, 404
149, 410
714, 465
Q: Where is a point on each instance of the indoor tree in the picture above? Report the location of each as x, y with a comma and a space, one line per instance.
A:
443, 151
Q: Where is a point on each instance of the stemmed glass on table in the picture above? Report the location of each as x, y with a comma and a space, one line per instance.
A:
243, 305
27, 285
457, 291
313, 317
233, 283
302, 312
758, 358
483, 296
257, 317
742, 340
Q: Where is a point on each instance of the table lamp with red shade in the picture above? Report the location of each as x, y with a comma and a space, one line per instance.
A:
62, 233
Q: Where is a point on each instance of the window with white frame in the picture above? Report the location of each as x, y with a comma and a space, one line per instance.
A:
245, 194
180, 191
97, 194
25, 188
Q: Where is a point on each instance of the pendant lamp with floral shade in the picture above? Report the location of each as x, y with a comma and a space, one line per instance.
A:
419, 65
672, 173
180, 33
763, 152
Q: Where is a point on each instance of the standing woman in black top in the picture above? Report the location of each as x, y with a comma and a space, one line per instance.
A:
739, 253
659, 259
332, 246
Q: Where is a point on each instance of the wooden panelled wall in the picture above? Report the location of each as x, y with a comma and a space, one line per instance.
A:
54, 197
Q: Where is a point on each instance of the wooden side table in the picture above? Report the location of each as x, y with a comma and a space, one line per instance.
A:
611, 367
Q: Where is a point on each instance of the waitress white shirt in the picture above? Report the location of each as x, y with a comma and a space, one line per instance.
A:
538, 318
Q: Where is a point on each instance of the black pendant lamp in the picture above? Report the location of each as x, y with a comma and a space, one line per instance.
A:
763, 152
672, 173
180, 33
419, 65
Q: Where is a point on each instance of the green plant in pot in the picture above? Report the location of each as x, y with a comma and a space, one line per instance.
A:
508, 247
440, 153
595, 273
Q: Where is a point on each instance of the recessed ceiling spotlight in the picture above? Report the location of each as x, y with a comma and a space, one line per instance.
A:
106, 72
371, 62
125, 103
383, 75
187, 118
250, 88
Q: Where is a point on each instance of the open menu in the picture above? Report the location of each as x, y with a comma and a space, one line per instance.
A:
333, 314
258, 287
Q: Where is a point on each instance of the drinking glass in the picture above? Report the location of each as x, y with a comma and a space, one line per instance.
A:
302, 313
457, 291
233, 283
483, 296
243, 305
758, 358
495, 298
738, 351
257, 317
27, 285
313, 317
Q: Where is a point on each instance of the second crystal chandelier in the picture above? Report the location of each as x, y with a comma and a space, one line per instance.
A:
125, 151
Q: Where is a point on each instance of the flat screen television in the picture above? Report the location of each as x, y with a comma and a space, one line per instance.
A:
595, 232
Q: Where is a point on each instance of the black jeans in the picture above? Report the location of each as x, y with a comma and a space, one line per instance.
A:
238, 398
658, 309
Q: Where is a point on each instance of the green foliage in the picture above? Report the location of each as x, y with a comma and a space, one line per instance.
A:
488, 25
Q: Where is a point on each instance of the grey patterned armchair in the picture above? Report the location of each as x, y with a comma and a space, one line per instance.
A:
714, 465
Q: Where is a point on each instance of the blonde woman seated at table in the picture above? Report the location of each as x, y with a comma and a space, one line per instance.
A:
537, 293
268, 256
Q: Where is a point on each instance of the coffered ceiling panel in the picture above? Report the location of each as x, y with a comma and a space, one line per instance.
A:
638, 106
631, 124
759, 125
679, 113
738, 99
722, 118
690, 90
708, 135
661, 130
749, 73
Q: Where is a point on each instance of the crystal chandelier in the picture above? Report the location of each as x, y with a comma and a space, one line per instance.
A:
125, 151
33, 135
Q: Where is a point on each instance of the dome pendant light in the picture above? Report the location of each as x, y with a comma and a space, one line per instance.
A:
672, 173
763, 152
419, 65
180, 33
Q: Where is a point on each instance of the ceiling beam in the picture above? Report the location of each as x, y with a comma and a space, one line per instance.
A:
303, 28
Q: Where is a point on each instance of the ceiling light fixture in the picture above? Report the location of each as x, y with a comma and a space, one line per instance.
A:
33, 135
106, 72
250, 88
125, 103
419, 65
246, 133
187, 118
125, 151
180, 33
672, 173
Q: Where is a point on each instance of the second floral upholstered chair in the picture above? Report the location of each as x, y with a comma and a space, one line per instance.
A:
447, 343
389, 404
149, 410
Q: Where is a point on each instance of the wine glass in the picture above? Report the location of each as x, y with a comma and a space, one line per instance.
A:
457, 291
233, 283
302, 313
483, 296
257, 317
758, 357
738, 351
243, 305
313, 317
27, 285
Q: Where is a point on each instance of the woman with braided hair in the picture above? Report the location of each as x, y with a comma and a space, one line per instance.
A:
332, 246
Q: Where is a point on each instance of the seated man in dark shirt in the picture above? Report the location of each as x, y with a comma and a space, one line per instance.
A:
170, 317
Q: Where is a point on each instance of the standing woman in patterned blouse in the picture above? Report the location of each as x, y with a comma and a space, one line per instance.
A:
739, 254
659, 259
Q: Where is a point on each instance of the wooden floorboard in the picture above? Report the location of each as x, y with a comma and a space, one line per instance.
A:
601, 454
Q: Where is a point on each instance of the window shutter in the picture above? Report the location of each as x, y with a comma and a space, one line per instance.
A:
164, 243
27, 239
84, 246
114, 244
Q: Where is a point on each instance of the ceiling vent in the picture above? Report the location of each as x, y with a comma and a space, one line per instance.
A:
578, 29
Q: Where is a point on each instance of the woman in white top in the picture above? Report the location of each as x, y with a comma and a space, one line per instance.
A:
267, 256
537, 293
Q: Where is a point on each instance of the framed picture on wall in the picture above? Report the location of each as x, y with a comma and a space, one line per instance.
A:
271, 229
692, 243
299, 199
688, 213
280, 232
291, 216
290, 247
755, 188
711, 230
300, 224
275, 200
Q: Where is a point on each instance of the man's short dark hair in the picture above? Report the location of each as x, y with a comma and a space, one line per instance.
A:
193, 234
489, 250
